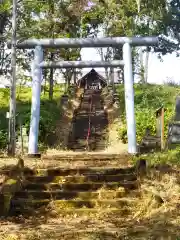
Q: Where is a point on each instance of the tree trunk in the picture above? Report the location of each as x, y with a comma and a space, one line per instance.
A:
68, 79
74, 75
51, 81
112, 78
3, 21
146, 66
142, 80
109, 55
68, 76
107, 75
45, 78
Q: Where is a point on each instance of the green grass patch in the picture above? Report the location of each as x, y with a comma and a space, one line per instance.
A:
148, 98
170, 157
49, 113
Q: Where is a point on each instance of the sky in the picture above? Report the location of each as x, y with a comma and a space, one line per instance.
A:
159, 71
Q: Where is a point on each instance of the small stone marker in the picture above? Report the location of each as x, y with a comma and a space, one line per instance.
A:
177, 109
174, 133
23, 138
174, 127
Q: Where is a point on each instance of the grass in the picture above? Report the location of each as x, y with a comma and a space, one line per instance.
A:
149, 219
155, 215
148, 98
171, 157
49, 113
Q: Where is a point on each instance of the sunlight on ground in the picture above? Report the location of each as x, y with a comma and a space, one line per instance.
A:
155, 216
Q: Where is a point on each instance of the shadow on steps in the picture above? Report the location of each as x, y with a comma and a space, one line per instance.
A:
73, 189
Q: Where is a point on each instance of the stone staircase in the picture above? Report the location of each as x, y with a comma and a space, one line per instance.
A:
94, 119
77, 183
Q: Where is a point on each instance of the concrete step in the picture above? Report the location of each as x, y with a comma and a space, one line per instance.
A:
91, 186
82, 178
66, 195
66, 204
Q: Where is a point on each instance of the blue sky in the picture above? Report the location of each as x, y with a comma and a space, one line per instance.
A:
158, 71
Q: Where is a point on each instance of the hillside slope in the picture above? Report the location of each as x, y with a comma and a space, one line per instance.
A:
148, 98
50, 113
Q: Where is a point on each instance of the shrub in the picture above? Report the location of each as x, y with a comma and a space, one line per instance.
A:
49, 113
148, 98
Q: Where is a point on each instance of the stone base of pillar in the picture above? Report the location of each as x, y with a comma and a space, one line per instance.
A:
35, 155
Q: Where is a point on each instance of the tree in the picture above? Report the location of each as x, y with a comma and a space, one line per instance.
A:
173, 21
75, 18
4, 21
121, 18
39, 19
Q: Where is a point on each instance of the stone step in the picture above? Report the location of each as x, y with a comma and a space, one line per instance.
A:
26, 171
82, 178
66, 204
16, 210
101, 116
64, 168
78, 212
84, 171
60, 194
92, 233
93, 139
99, 111
130, 185
80, 165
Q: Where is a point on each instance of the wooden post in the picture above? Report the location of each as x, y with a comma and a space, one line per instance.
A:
75, 76
162, 129
160, 125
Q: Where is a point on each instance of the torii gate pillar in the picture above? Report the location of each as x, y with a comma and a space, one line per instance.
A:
129, 99
35, 104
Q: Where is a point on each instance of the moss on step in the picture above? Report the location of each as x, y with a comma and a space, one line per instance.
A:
87, 212
78, 203
69, 179
84, 170
111, 194
101, 194
8, 189
11, 185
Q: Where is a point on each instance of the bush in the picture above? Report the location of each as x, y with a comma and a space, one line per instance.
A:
148, 98
49, 113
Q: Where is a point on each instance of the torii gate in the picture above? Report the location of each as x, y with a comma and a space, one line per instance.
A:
125, 42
